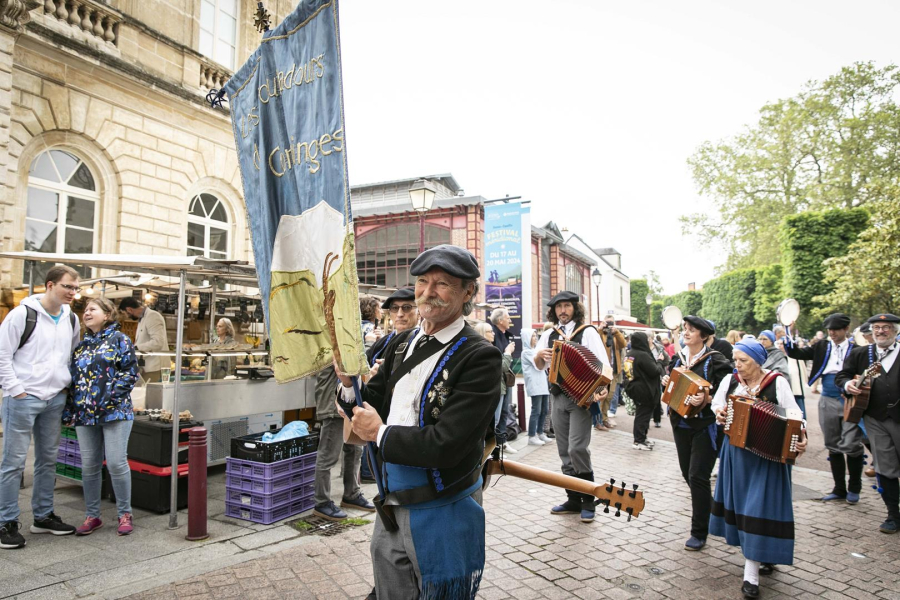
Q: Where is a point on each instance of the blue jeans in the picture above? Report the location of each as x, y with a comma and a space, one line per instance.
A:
501, 413
92, 440
614, 401
21, 417
539, 407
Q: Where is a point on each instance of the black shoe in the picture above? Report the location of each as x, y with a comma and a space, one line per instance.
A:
766, 568
891, 525
52, 524
570, 506
750, 590
367, 480
10, 537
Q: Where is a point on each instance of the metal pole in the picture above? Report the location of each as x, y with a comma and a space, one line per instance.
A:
212, 328
179, 339
597, 294
31, 278
103, 289
421, 232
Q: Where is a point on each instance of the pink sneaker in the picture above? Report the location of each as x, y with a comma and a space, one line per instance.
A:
125, 526
89, 525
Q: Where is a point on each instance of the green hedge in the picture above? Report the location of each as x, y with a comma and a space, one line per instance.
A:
768, 294
728, 300
639, 291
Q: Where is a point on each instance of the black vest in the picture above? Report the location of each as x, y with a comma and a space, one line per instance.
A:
884, 399
555, 335
768, 393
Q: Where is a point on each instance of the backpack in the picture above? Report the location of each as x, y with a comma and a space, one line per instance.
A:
31, 323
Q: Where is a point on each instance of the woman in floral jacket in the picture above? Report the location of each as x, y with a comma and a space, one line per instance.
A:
104, 371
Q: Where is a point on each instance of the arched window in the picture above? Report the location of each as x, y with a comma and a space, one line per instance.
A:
383, 255
62, 208
207, 229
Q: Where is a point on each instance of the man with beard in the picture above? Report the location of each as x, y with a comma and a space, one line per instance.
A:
571, 422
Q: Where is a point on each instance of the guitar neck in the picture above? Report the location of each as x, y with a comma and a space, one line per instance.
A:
542, 476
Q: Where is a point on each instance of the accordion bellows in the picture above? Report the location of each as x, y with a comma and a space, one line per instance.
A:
577, 371
766, 429
684, 383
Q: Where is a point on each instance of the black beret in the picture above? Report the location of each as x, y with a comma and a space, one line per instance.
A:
456, 261
884, 318
865, 327
564, 297
401, 294
700, 324
836, 321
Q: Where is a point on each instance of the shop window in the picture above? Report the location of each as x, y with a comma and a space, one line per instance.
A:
207, 227
383, 255
573, 279
62, 210
218, 30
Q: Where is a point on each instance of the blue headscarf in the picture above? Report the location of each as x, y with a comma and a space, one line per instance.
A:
753, 349
768, 333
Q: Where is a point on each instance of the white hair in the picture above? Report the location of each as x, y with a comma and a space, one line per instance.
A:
482, 328
497, 314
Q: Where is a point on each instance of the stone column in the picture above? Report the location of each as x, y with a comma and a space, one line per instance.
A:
14, 14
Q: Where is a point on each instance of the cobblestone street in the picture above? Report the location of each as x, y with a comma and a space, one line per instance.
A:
531, 554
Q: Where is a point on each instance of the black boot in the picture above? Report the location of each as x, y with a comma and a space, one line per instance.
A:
838, 472
587, 500
891, 497
854, 478
572, 506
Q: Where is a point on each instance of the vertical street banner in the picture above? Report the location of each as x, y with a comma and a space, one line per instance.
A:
503, 262
288, 120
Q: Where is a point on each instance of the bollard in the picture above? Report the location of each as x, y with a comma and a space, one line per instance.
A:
197, 484
523, 425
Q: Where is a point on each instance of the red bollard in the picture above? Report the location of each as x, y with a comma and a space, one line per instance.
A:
197, 484
521, 398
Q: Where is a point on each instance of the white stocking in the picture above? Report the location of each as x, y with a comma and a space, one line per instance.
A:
751, 571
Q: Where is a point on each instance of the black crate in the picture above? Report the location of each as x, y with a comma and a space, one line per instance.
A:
151, 441
251, 447
150, 487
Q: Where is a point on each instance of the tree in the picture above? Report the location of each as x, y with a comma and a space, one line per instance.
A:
639, 291
728, 300
834, 145
768, 293
690, 302
864, 281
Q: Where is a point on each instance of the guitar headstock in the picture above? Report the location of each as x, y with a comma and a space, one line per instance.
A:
871, 373
620, 498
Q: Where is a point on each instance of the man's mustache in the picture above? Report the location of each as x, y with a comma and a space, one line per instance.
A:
432, 302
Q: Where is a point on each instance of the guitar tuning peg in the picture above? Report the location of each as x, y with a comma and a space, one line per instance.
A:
618, 513
629, 519
606, 510
623, 485
635, 486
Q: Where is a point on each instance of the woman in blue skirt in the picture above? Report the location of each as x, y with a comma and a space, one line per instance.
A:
752, 503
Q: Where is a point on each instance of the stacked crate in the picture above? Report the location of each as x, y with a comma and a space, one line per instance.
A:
269, 492
68, 458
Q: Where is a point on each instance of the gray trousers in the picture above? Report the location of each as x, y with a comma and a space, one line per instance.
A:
884, 436
331, 447
394, 562
572, 425
839, 436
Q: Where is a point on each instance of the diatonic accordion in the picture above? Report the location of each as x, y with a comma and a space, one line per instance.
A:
684, 383
766, 429
577, 371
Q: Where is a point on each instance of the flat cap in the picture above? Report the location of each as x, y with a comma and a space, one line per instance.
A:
884, 318
865, 327
700, 324
401, 294
836, 321
456, 261
564, 297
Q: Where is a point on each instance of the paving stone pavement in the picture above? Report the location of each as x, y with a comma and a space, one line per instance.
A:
530, 554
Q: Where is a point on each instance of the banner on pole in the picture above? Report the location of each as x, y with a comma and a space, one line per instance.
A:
287, 115
503, 263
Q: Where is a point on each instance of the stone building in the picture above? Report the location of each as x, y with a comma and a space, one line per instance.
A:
106, 141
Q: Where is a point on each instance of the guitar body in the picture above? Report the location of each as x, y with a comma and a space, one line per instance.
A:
855, 406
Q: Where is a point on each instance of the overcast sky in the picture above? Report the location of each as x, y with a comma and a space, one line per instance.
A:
587, 108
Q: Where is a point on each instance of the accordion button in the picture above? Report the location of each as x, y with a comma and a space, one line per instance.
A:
440, 487
438, 480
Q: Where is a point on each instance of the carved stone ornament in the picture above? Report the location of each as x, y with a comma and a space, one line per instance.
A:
14, 13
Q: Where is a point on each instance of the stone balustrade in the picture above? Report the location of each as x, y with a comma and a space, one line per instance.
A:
87, 15
212, 76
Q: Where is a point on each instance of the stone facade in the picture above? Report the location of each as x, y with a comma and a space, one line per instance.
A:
122, 86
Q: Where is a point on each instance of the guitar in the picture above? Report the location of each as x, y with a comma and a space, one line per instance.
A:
855, 406
622, 500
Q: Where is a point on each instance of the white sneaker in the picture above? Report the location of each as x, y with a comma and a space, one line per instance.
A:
641, 447
543, 437
509, 449
650, 442
535, 441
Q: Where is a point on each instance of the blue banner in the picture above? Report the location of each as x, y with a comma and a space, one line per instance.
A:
287, 114
503, 262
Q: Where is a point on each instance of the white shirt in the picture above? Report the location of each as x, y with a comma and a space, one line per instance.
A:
782, 390
687, 360
408, 391
590, 339
836, 360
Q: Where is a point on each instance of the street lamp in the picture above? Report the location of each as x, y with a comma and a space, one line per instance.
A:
649, 300
596, 276
421, 194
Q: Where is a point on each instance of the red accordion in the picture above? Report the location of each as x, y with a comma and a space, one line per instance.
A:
577, 371
766, 429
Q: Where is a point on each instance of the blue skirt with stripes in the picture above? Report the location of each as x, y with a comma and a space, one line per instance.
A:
752, 506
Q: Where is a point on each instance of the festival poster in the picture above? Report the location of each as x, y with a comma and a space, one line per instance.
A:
287, 115
503, 262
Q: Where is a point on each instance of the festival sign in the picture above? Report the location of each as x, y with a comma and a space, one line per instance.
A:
503, 262
287, 115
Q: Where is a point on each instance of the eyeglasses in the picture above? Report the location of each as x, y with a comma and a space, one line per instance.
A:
882, 327
404, 307
66, 286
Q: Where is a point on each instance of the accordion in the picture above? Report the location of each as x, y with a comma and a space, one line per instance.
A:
684, 383
766, 429
577, 371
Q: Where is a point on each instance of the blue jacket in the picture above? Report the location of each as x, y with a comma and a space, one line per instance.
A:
104, 370
536, 383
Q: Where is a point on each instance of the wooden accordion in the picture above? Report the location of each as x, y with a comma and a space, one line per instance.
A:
577, 371
684, 383
766, 429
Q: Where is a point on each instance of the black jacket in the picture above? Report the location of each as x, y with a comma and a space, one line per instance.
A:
885, 389
722, 346
819, 353
452, 438
643, 387
713, 367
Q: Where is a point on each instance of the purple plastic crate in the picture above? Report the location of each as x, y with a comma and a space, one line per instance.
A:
269, 486
269, 501
61, 456
248, 468
267, 517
